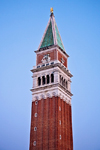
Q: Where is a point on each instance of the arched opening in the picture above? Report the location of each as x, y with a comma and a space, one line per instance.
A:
60, 78
39, 81
66, 84
48, 79
34, 143
52, 78
43, 80
36, 102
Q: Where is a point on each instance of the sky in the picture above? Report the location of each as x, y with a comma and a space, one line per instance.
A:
22, 24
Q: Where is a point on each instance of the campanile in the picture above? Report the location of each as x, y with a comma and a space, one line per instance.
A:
51, 117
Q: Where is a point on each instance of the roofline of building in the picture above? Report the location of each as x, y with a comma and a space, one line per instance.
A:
49, 47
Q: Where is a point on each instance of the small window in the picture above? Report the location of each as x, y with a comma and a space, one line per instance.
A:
52, 63
36, 102
47, 79
35, 115
59, 108
47, 64
43, 65
35, 128
39, 81
60, 137
34, 143
38, 66
43, 80
60, 122
52, 78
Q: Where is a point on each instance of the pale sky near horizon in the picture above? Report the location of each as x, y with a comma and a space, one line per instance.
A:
22, 24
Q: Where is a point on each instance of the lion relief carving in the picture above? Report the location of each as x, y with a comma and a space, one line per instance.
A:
46, 58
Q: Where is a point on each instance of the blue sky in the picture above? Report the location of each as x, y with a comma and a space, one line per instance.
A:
22, 24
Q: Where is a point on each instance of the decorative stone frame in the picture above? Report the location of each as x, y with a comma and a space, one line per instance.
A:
50, 94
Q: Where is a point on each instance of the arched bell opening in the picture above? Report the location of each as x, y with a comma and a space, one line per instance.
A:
39, 81
52, 78
43, 80
66, 84
48, 79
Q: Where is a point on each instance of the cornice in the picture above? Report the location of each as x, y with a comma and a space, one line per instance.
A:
51, 47
53, 66
50, 86
57, 92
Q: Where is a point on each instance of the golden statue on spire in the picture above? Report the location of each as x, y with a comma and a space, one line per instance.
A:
51, 9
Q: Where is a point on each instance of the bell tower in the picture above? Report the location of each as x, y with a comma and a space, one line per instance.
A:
51, 118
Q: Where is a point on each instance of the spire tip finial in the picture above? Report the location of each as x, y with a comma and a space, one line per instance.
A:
51, 10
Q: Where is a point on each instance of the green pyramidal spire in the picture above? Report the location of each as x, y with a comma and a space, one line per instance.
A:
48, 39
59, 42
51, 35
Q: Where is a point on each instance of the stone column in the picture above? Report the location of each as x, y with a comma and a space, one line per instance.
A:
69, 85
56, 77
35, 81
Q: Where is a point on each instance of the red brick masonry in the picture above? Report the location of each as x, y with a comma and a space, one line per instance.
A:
54, 125
53, 55
65, 59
